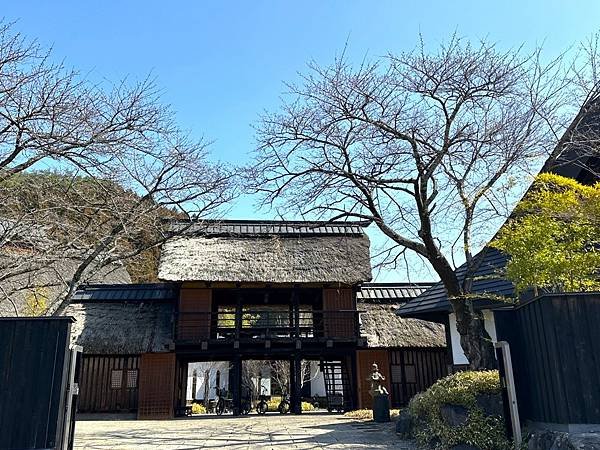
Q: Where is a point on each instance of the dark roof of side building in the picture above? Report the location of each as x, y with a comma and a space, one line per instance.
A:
126, 292
575, 156
269, 252
396, 292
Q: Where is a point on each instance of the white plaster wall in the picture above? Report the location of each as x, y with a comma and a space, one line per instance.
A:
317, 381
212, 367
458, 356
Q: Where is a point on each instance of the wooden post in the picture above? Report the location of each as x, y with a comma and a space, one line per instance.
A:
236, 387
238, 314
295, 388
296, 311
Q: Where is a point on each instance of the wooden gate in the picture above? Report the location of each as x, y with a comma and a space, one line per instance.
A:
109, 383
35, 370
157, 386
413, 370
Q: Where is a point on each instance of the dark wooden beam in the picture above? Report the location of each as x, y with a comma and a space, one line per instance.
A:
295, 387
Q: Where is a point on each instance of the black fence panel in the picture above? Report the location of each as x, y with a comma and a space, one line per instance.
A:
555, 346
34, 358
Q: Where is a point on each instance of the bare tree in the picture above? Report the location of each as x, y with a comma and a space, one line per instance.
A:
432, 147
116, 166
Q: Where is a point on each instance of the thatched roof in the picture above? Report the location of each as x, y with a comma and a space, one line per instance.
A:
121, 328
383, 328
270, 253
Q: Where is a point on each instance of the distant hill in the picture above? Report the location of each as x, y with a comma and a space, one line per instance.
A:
80, 210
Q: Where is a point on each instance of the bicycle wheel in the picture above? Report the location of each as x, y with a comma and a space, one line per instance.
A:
261, 408
284, 408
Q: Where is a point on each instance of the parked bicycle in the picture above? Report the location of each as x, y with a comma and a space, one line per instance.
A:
284, 406
223, 403
262, 406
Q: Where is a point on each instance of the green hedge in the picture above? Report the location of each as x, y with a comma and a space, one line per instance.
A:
462, 389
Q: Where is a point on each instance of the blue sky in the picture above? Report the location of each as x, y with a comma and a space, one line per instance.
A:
221, 63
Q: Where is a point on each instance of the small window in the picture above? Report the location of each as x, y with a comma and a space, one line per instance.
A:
132, 379
396, 373
116, 379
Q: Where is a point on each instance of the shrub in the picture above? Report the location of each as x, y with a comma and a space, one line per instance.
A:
360, 414
367, 414
307, 406
198, 408
461, 389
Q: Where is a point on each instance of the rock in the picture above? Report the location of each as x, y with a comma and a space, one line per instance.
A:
404, 424
454, 415
552, 440
490, 404
464, 447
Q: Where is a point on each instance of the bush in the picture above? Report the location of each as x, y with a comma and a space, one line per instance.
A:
360, 414
274, 402
462, 391
367, 414
307, 406
198, 408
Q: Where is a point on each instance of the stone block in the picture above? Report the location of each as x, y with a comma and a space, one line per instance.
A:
454, 415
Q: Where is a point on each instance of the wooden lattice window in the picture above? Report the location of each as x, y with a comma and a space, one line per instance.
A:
116, 379
132, 379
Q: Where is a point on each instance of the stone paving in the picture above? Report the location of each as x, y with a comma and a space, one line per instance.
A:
313, 430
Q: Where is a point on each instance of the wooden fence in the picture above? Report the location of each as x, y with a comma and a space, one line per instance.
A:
555, 346
109, 383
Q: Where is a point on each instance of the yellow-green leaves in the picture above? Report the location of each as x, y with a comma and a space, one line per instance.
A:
552, 240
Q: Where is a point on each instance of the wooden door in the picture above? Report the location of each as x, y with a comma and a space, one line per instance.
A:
157, 386
364, 363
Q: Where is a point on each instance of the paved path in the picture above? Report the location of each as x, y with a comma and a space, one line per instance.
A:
322, 431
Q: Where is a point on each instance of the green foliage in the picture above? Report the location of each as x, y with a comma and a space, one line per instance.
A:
552, 240
307, 406
461, 389
198, 408
36, 302
367, 414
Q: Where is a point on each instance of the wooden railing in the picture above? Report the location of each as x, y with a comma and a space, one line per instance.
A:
256, 324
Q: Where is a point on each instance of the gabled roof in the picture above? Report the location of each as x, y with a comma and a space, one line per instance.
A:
575, 156
488, 280
391, 292
269, 252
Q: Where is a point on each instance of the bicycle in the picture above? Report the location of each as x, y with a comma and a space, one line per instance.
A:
262, 406
284, 406
221, 405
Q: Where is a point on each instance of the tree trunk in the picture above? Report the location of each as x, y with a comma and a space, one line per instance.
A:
474, 339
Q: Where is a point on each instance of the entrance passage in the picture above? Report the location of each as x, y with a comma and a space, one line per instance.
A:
265, 386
